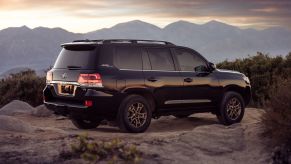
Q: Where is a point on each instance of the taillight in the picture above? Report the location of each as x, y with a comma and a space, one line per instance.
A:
88, 103
90, 80
49, 76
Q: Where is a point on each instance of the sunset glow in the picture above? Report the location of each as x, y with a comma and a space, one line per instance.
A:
89, 15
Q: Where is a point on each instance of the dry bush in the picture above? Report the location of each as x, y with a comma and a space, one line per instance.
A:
25, 86
263, 71
277, 119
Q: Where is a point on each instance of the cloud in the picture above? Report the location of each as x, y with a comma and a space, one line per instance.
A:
257, 12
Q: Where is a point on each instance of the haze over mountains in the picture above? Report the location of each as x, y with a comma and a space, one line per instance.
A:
38, 48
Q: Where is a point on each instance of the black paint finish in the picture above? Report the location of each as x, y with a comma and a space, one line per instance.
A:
170, 92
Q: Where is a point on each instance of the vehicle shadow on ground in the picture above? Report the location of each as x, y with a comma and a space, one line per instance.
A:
180, 124
166, 124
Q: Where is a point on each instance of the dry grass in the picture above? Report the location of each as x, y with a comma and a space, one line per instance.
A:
112, 151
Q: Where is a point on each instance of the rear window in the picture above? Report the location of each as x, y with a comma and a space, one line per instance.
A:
79, 57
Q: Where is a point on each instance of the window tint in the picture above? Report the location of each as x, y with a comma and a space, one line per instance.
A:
106, 55
189, 61
127, 58
83, 57
161, 59
145, 60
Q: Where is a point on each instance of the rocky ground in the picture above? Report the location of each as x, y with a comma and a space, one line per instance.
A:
34, 135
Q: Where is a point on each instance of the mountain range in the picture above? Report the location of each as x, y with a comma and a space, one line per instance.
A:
38, 48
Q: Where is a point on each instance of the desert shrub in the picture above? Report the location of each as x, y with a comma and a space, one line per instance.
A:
263, 72
25, 86
277, 121
277, 118
111, 151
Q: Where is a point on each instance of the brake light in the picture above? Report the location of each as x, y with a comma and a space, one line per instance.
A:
88, 103
49, 76
90, 80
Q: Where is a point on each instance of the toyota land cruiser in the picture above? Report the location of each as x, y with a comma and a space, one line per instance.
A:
133, 81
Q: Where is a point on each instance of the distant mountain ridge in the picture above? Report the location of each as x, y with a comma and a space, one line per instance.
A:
38, 48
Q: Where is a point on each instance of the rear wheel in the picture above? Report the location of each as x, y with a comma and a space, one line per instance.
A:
134, 114
86, 124
232, 108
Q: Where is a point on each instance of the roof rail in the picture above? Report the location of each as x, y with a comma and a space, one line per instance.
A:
85, 40
134, 41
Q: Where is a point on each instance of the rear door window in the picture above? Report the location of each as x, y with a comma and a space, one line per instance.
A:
127, 57
161, 59
79, 57
145, 60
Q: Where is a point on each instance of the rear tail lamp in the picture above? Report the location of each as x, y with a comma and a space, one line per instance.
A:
49, 76
90, 80
88, 103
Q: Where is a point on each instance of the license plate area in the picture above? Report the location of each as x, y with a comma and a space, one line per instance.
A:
66, 89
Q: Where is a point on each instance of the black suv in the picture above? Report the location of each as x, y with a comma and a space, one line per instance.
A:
133, 81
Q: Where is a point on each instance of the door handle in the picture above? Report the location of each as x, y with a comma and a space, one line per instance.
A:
188, 80
152, 79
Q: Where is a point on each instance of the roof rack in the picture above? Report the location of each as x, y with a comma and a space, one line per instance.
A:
132, 41
87, 40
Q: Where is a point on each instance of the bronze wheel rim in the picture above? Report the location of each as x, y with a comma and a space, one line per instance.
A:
137, 114
233, 108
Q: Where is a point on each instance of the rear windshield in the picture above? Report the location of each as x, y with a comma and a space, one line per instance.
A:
77, 57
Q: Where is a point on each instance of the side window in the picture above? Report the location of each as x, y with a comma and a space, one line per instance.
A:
189, 61
145, 60
127, 58
161, 59
106, 55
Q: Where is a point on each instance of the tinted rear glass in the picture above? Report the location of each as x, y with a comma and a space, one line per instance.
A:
127, 58
82, 57
161, 59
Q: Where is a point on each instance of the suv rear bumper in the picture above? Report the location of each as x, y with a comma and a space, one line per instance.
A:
64, 108
76, 111
104, 104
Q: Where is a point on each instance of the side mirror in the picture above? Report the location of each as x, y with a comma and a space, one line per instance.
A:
212, 66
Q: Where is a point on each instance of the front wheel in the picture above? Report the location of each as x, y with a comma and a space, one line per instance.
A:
134, 114
231, 109
86, 124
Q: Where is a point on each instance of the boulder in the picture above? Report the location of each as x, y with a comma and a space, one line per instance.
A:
10, 123
41, 111
16, 107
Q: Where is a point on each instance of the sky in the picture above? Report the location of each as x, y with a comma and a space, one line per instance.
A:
89, 15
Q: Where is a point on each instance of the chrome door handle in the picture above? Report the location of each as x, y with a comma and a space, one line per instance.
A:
188, 80
152, 79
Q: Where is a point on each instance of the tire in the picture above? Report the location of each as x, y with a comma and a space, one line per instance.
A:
181, 115
134, 114
231, 109
86, 124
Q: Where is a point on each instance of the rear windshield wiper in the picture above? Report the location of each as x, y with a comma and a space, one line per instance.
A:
73, 67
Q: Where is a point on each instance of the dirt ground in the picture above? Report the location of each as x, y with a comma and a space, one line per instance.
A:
196, 139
